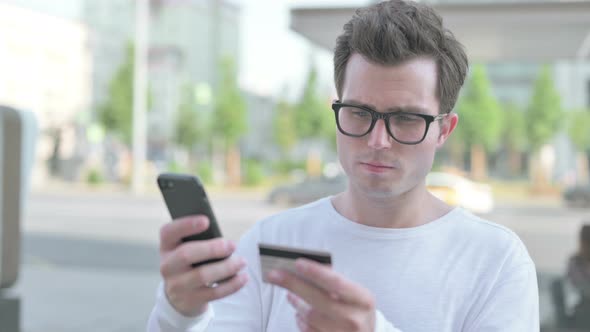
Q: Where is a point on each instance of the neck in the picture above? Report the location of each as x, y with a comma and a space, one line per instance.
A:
411, 209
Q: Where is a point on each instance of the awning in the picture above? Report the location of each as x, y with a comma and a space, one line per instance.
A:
541, 31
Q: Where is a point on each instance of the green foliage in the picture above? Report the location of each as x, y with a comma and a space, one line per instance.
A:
456, 145
544, 114
191, 125
253, 174
479, 112
229, 119
313, 118
94, 177
579, 129
175, 167
284, 126
284, 166
205, 172
116, 114
515, 127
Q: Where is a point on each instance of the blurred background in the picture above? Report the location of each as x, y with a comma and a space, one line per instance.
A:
238, 92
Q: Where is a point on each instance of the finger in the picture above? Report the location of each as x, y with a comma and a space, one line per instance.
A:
214, 272
330, 281
303, 325
315, 297
188, 253
224, 289
172, 233
298, 304
196, 297
314, 318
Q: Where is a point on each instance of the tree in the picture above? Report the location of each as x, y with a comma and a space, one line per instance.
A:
229, 117
579, 129
579, 122
456, 146
544, 119
481, 120
314, 120
116, 114
283, 126
191, 126
515, 138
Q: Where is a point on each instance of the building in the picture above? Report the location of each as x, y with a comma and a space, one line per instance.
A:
187, 40
185, 36
46, 68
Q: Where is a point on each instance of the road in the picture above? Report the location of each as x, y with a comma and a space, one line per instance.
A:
90, 260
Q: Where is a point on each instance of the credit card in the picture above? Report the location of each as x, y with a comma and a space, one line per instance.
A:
276, 257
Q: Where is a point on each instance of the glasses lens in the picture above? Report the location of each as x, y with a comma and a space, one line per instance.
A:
407, 127
354, 120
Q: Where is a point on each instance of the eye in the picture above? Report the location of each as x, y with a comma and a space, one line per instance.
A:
361, 114
407, 118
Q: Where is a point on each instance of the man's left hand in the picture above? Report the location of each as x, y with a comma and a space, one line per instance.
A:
326, 301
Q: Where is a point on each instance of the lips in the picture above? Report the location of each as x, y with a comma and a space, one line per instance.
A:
377, 167
378, 164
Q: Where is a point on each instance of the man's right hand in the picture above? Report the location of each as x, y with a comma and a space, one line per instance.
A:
187, 287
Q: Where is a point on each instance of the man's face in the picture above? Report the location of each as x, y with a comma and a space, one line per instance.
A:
377, 165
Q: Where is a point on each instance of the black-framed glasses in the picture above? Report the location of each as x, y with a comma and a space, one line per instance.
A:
404, 127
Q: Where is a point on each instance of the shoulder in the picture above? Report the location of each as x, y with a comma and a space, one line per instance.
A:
489, 237
480, 227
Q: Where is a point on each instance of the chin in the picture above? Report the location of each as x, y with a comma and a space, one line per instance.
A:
379, 191
380, 188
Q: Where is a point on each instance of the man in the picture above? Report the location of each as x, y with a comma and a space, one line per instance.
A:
402, 259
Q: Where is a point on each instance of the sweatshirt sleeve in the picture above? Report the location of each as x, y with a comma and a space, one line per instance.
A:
241, 311
382, 325
164, 318
511, 305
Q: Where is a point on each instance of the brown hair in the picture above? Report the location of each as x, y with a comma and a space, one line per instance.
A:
392, 32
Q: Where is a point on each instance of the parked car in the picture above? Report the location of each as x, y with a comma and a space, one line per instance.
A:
577, 196
307, 190
456, 190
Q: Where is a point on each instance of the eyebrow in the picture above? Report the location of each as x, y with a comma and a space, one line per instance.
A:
406, 109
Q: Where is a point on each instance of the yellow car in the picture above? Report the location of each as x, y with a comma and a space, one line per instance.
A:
456, 190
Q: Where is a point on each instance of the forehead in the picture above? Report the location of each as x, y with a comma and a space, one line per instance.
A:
412, 83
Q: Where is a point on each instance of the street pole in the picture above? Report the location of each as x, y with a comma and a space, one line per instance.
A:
142, 12
582, 57
215, 42
217, 151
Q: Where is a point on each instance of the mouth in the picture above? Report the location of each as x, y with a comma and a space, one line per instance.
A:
376, 167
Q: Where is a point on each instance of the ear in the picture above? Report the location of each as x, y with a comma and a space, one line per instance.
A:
446, 128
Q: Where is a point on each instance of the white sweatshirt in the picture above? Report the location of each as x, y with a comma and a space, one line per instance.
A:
456, 273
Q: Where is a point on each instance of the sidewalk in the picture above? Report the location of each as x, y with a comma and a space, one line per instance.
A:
69, 299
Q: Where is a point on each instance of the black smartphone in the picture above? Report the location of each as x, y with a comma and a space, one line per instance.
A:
184, 196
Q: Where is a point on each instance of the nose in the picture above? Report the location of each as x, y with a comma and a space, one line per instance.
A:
379, 137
